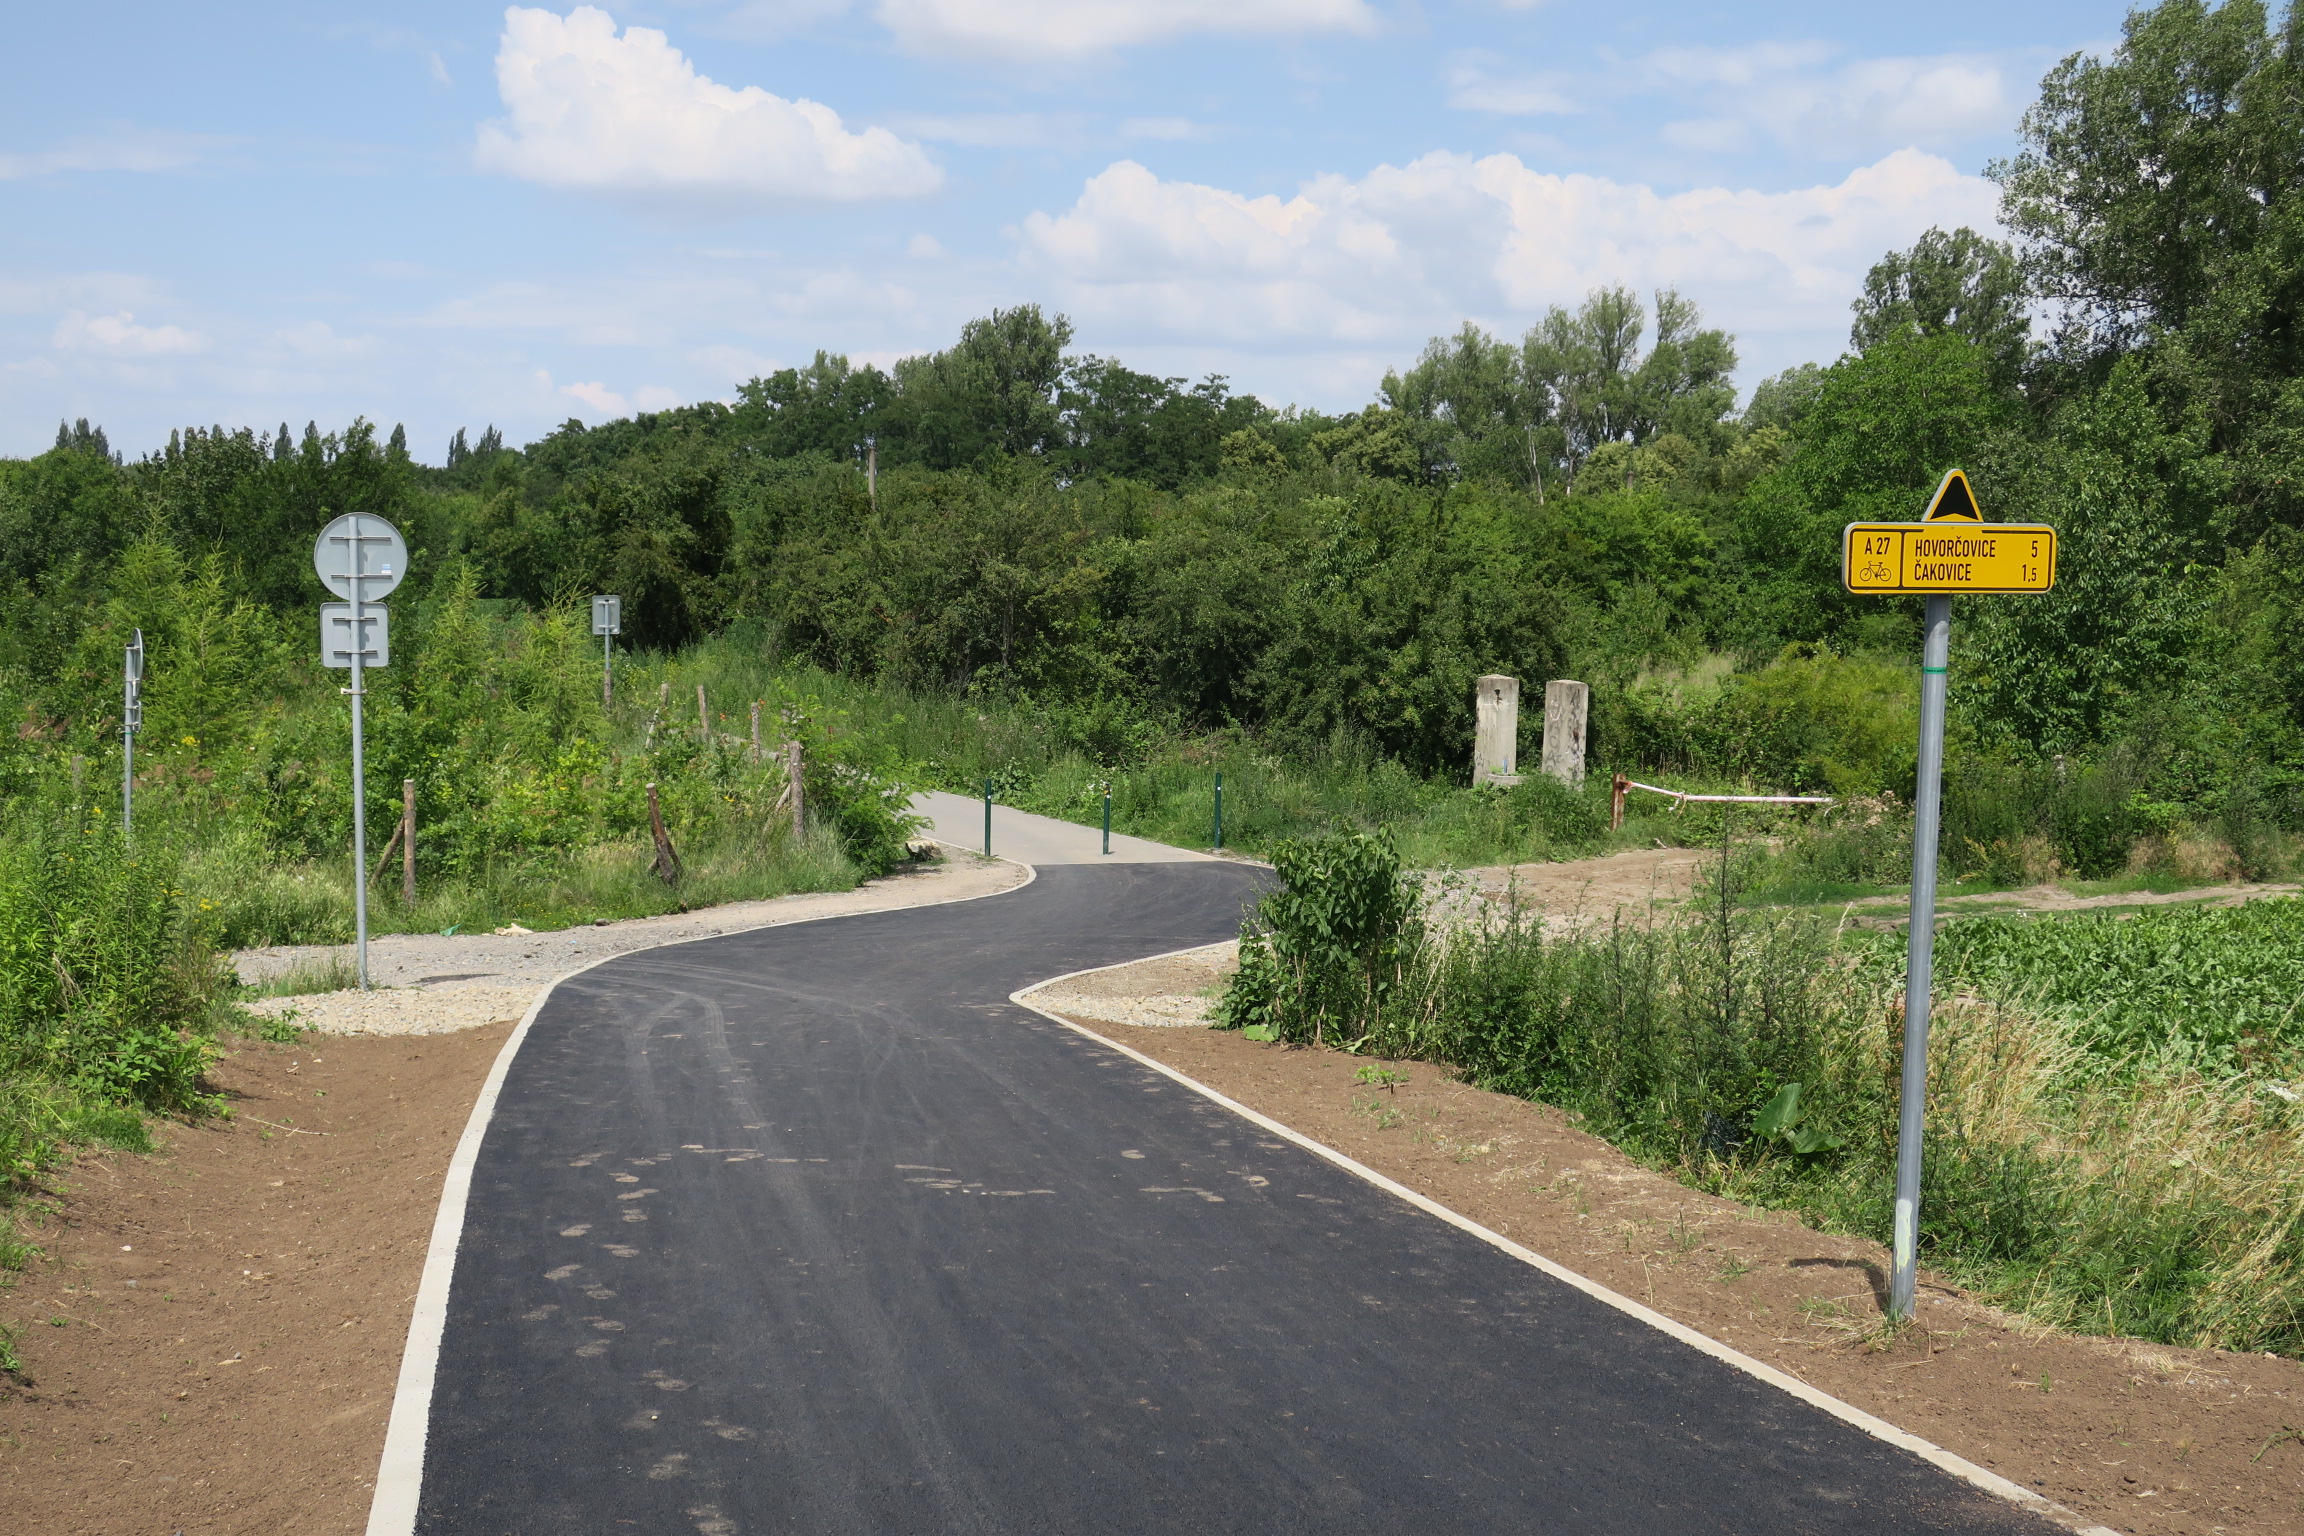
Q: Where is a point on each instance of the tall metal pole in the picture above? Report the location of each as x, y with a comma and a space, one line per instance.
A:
1927, 822
131, 716
359, 764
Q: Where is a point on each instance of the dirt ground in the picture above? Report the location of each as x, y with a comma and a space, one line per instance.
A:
211, 1342
1577, 892
1580, 892
2140, 1437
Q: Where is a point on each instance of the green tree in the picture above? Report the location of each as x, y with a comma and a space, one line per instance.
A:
1960, 284
1605, 390
992, 393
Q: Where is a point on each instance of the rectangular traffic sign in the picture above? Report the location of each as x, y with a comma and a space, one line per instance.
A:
1948, 556
336, 635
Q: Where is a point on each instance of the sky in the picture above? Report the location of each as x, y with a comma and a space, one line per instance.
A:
452, 214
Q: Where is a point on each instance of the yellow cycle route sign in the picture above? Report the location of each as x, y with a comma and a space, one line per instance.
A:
1952, 550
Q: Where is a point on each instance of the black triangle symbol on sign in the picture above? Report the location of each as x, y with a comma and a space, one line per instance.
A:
1954, 502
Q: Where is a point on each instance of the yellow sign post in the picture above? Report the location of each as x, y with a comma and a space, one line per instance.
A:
1951, 549
1884, 558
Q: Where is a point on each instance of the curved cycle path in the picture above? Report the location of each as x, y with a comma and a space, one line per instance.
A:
811, 1230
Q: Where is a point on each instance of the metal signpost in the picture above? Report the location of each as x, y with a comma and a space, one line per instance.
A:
361, 557
1951, 549
608, 623
131, 721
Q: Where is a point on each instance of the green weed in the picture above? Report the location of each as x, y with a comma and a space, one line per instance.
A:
328, 973
2097, 1174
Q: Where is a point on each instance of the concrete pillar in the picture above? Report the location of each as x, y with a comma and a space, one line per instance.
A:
1566, 705
1496, 738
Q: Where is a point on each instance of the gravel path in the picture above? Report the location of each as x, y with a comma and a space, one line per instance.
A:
427, 985
1175, 991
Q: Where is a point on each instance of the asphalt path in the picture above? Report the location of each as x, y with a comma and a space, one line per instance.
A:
811, 1230
1038, 840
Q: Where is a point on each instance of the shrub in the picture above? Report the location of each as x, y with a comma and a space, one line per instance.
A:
1323, 954
105, 983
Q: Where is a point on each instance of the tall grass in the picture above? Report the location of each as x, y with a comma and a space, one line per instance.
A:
2091, 1186
737, 857
110, 997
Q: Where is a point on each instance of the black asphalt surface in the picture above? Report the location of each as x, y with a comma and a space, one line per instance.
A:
811, 1230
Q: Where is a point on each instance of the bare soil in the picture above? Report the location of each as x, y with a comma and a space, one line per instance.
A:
211, 1342
1577, 892
2140, 1437
1580, 892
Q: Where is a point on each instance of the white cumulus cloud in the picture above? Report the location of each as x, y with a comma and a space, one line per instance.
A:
1796, 95
604, 401
120, 335
629, 115
1407, 251
1042, 29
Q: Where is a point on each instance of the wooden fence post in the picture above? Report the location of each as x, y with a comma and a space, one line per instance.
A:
703, 720
755, 730
408, 842
796, 785
667, 862
1616, 802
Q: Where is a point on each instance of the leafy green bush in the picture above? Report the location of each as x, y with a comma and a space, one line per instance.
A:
105, 982
1324, 953
854, 790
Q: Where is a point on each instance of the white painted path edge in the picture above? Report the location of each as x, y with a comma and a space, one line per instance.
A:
1880, 1429
400, 1471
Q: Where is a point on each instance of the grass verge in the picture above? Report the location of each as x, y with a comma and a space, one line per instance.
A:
2091, 1175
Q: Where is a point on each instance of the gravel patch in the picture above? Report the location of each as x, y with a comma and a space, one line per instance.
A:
1175, 991
428, 984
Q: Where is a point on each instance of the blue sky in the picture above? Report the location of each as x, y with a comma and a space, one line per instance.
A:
451, 214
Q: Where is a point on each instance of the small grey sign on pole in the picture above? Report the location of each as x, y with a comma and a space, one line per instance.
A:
607, 623
336, 643
131, 721
361, 557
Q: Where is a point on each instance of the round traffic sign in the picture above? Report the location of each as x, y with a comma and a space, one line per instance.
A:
362, 545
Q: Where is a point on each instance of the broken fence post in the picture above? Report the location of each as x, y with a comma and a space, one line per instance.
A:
408, 842
667, 864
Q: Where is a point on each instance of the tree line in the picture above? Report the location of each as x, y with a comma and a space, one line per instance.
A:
1007, 516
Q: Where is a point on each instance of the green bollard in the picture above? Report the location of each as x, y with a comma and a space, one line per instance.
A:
987, 818
1219, 838
1107, 818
